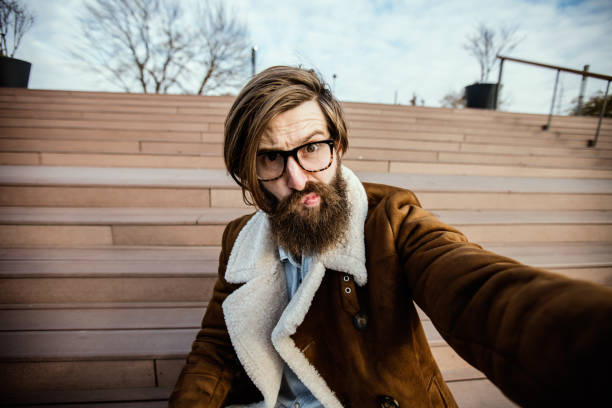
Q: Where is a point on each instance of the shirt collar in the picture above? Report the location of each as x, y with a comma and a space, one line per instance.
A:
286, 256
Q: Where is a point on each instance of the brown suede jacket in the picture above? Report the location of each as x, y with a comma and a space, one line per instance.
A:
543, 339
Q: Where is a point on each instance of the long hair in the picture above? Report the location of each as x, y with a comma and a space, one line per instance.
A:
268, 94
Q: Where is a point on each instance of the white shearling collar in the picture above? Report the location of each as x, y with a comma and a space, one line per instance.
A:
259, 318
254, 252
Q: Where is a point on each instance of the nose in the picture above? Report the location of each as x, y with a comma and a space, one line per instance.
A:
296, 176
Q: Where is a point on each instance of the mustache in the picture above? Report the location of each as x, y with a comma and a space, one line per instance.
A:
294, 200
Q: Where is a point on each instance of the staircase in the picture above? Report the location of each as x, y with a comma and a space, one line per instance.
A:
112, 208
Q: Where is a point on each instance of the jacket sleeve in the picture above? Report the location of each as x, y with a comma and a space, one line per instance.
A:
542, 338
207, 375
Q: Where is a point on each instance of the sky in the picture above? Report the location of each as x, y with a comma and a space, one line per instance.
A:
381, 51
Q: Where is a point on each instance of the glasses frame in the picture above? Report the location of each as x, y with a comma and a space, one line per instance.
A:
285, 154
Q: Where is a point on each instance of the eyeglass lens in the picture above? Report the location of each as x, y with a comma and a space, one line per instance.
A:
311, 157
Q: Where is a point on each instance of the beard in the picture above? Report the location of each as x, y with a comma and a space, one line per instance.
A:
310, 230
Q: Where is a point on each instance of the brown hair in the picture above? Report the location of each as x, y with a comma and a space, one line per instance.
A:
268, 94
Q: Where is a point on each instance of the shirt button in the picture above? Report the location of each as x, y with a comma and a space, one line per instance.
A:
360, 321
346, 278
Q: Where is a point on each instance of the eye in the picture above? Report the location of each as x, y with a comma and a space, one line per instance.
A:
311, 148
270, 156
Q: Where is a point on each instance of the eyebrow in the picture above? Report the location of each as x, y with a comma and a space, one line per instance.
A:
304, 141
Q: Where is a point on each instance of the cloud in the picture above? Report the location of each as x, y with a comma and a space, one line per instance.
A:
378, 47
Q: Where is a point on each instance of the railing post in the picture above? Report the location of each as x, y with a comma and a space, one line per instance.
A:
552, 104
499, 77
581, 94
593, 143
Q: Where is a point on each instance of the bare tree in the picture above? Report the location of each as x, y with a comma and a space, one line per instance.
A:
485, 44
15, 21
154, 47
225, 51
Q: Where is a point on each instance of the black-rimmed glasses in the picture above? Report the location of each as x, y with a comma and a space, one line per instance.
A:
312, 157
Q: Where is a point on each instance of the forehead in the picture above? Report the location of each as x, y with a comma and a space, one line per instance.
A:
294, 127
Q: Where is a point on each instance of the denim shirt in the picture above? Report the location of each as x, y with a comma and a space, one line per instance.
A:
293, 393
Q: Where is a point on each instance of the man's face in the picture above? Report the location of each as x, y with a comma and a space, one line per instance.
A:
303, 124
309, 210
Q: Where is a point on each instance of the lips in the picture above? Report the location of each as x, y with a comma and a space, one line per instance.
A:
311, 200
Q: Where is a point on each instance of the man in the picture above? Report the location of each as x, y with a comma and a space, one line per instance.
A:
314, 301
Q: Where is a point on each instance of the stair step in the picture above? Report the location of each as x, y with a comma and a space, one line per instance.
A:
125, 135
89, 269
101, 153
106, 289
182, 178
108, 187
63, 227
116, 253
36, 276
129, 160
119, 105
181, 119
51, 100
109, 374
537, 233
96, 176
54, 145
188, 261
133, 344
71, 345
416, 162
110, 116
119, 216
167, 197
460, 169
57, 276
108, 318
437, 117
99, 395
151, 125
221, 216
479, 217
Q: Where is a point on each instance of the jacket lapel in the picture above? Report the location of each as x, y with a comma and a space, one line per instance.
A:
252, 310
258, 318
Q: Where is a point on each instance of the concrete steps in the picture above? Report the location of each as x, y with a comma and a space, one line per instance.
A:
112, 208
100, 103
141, 364
119, 130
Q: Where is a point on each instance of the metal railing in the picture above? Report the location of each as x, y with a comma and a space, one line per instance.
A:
585, 74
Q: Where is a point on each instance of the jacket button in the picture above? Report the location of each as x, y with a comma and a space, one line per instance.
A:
360, 321
385, 401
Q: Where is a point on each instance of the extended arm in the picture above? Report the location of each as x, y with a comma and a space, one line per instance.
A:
542, 338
